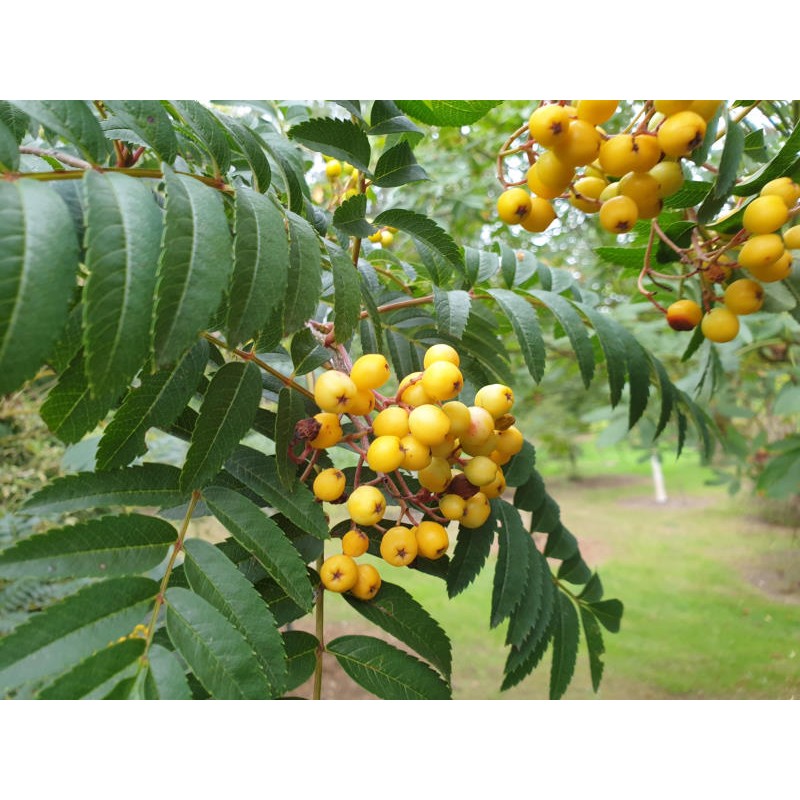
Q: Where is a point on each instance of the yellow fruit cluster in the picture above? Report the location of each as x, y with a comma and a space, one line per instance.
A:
625, 176
456, 451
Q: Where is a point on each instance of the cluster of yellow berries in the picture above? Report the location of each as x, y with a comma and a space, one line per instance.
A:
625, 176
765, 254
456, 452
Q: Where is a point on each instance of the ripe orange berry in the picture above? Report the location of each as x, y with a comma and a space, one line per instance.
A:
429, 424
329, 485
596, 111
496, 398
442, 380
334, 391
355, 543
385, 454
330, 431
370, 371
440, 352
338, 573
367, 584
720, 325
399, 546
548, 124
513, 204
392, 421
684, 315
681, 133
366, 505
432, 539
744, 297
618, 214
765, 214
580, 145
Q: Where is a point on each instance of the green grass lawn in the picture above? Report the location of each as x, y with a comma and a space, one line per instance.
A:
711, 594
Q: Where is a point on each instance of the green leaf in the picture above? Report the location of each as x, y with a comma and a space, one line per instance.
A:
575, 330
14, 119
71, 119
94, 677
532, 494
524, 665
108, 546
207, 130
385, 671
304, 284
397, 166
260, 264
608, 613
351, 217
726, 177
148, 120
66, 633
70, 410
613, 349
290, 168
156, 402
469, 555
228, 410
788, 400
511, 572
526, 327
145, 485
9, 151
594, 645
260, 474
216, 579
447, 113
215, 651
779, 166
165, 678
638, 366
337, 138
667, 392
301, 654
593, 590
256, 532
38, 266
628, 257
689, 195
346, 293
520, 468
424, 230
250, 145
195, 264
508, 265
123, 238
566, 636
401, 616
524, 616
781, 476
291, 409
452, 311
386, 117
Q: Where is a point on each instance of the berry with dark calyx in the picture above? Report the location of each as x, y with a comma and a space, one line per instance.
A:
370, 371
619, 214
681, 133
368, 582
329, 485
684, 315
432, 539
744, 296
355, 543
512, 205
338, 573
366, 505
399, 546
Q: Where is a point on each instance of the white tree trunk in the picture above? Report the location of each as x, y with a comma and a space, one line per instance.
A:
658, 477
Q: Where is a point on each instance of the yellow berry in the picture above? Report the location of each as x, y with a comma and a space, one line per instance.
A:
440, 352
720, 325
585, 192
670, 107
761, 251
481, 427
329, 484
370, 371
765, 214
480, 470
384, 454
429, 424
705, 108
684, 315
513, 204
496, 398
338, 573
436, 476
330, 431
618, 214
539, 188
334, 391
416, 455
596, 111
548, 124
387, 237
643, 189
392, 421
669, 177
399, 546
362, 404
553, 173
355, 543
412, 392
432, 539
333, 169
681, 133
366, 505
459, 416
496, 486
452, 506
476, 511
539, 217
744, 296
791, 238
580, 145
442, 380
778, 270
510, 441
367, 584
785, 188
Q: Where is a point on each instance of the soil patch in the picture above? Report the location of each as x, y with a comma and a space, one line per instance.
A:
777, 575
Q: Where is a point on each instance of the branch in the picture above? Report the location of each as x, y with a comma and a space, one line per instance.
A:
64, 158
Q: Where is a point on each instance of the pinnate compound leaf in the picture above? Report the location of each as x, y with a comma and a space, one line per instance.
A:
73, 120
256, 532
148, 484
148, 120
423, 230
351, 217
526, 327
386, 117
215, 651
207, 129
532, 656
196, 262
301, 655
730, 160
638, 366
123, 238
165, 678
291, 409
228, 410
387, 672
594, 645
251, 146
613, 349
346, 293
38, 267
304, 284
566, 635
70, 410
94, 677
15, 119
628, 257
608, 613
452, 311
511, 572
156, 402
259, 473
447, 113
397, 166
403, 617
260, 264
777, 167
107, 546
337, 138
66, 633
524, 616
216, 579
469, 555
